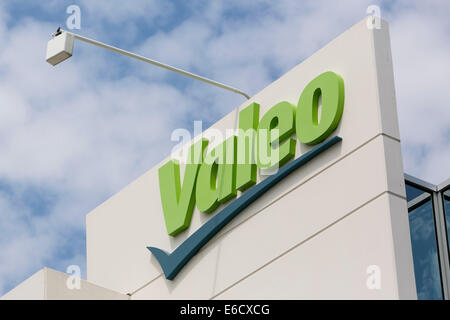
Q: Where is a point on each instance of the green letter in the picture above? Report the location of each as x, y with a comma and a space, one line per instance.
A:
246, 164
310, 129
178, 203
216, 182
276, 126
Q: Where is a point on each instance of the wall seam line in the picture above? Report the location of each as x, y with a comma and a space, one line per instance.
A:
301, 242
302, 183
144, 285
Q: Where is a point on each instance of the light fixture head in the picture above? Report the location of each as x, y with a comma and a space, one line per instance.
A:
60, 47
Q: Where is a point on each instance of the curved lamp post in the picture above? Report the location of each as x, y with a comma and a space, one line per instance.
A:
60, 48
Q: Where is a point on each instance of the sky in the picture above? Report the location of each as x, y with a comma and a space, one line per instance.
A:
73, 135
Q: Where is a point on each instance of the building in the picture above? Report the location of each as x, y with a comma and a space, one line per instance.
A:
429, 221
337, 220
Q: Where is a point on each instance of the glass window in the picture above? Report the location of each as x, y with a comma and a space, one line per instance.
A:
446, 196
412, 192
424, 247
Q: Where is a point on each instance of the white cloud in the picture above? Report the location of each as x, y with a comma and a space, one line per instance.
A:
421, 45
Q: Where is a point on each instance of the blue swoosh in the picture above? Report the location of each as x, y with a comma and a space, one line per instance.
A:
174, 262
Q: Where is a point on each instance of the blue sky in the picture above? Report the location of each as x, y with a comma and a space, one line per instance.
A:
73, 135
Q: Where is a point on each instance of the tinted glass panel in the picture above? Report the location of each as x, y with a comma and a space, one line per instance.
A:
447, 214
426, 261
412, 192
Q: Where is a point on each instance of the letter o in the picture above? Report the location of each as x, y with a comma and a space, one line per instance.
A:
309, 128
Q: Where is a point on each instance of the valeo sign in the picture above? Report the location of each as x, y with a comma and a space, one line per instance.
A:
213, 178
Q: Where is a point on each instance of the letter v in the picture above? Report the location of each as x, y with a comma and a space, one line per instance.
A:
178, 201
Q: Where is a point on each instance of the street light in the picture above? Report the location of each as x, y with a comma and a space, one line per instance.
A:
60, 48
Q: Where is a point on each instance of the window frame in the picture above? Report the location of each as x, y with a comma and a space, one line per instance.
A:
437, 200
